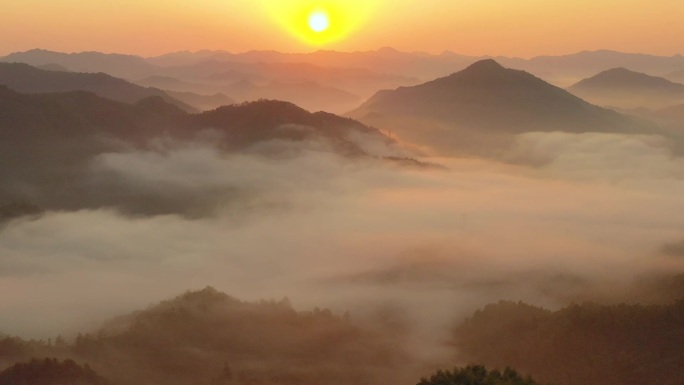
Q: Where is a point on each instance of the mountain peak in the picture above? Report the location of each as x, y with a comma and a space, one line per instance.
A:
623, 77
485, 65
622, 70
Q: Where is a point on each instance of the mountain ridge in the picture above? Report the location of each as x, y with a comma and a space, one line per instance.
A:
624, 88
483, 101
28, 79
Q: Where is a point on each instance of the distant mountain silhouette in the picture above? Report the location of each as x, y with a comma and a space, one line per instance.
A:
27, 79
249, 82
202, 102
354, 80
677, 76
171, 84
481, 107
386, 62
674, 112
309, 95
623, 88
249, 123
583, 64
53, 67
123, 66
672, 117
564, 69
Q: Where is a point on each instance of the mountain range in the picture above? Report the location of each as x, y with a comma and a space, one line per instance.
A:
479, 109
561, 70
676, 76
620, 87
27, 79
71, 130
119, 65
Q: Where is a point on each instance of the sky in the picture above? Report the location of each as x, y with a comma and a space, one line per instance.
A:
522, 28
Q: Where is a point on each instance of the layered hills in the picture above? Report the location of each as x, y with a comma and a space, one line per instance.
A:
478, 109
50, 143
27, 79
620, 87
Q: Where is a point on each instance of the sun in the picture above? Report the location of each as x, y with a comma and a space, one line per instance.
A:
319, 21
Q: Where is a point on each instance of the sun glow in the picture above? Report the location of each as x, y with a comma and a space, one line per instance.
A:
319, 21
322, 22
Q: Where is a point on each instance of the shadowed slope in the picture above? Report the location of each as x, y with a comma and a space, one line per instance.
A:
480, 106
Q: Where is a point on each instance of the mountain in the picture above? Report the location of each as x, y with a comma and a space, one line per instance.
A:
479, 109
209, 337
676, 76
123, 66
53, 67
386, 61
561, 70
202, 102
309, 95
249, 123
672, 117
623, 88
308, 86
354, 80
27, 79
568, 69
82, 115
586, 344
71, 131
169, 83
673, 112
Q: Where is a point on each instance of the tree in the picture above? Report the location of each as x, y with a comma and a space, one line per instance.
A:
477, 375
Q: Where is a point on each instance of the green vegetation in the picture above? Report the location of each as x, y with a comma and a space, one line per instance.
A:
50, 372
477, 375
581, 344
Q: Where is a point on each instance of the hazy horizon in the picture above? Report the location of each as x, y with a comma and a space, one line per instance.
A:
153, 27
318, 50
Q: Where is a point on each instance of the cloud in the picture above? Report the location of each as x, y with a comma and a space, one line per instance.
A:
611, 157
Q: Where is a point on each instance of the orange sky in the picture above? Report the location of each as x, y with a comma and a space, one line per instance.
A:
498, 27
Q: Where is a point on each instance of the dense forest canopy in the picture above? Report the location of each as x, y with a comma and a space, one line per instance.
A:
477, 375
50, 372
580, 344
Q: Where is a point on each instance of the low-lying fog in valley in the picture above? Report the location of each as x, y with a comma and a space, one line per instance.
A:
294, 219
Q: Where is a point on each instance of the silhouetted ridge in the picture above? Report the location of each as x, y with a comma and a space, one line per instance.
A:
623, 88
123, 66
71, 130
486, 65
157, 104
251, 122
467, 109
27, 79
624, 78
